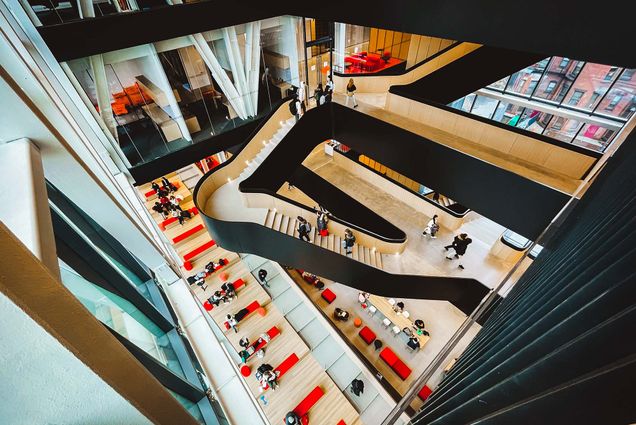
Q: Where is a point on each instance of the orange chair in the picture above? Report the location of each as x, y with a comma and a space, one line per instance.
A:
357, 322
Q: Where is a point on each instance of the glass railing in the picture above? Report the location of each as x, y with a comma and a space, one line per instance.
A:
159, 98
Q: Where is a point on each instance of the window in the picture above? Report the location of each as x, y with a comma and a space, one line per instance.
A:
576, 97
524, 81
610, 73
627, 74
484, 106
550, 88
617, 98
564, 63
594, 96
593, 136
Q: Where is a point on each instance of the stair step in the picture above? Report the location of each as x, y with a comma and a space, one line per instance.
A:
367, 255
337, 244
284, 224
355, 254
378, 260
277, 221
269, 221
291, 230
312, 235
324, 242
372, 258
330, 243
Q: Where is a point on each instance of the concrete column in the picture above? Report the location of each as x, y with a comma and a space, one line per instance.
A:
24, 203
167, 89
339, 46
238, 69
219, 75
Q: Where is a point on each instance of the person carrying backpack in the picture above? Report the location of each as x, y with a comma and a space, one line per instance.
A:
303, 229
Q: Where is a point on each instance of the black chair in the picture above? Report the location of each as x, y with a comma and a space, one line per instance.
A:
377, 344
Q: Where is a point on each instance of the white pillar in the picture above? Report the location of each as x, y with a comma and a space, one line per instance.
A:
219, 74
164, 84
238, 69
86, 8
339, 46
102, 93
252, 61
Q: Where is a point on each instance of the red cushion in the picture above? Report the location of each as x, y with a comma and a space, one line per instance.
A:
245, 371
424, 393
208, 306
238, 283
328, 295
196, 229
367, 335
388, 356
308, 402
253, 306
341, 422
402, 370
171, 220
287, 364
198, 250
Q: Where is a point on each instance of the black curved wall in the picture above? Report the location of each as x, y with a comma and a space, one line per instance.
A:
253, 238
504, 197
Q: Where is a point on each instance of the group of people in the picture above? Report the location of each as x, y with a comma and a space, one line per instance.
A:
165, 189
225, 295
249, 349
199, 278
267, 377
298, 104
169, 205
322, 219
459, 245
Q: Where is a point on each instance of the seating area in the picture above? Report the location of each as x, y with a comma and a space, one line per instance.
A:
191, 255
308, 402
398, 366
163, 225
364, 62
185, 235
367, 335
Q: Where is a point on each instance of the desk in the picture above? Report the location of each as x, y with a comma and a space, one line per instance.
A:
383, 306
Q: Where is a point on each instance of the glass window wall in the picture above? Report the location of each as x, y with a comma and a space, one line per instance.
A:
598, 91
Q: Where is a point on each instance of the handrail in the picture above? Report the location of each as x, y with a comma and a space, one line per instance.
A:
330, 215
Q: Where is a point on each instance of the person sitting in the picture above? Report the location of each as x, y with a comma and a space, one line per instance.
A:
183, 215
240, 315
413, 343
232, 321
199, 280
216, 298
155, 186
244, 342
341, 315
399, 307
229, 291
175, 201
292, 418
167, 185
212, 266
363, 297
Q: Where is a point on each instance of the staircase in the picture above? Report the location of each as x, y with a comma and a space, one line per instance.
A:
267, 148
288, 225
190, 176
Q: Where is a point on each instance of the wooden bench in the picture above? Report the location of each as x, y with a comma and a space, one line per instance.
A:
188, 257
251, 308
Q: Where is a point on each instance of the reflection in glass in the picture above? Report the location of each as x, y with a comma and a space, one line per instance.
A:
590, 86
562, 128
499, 85
620, 101
594, 137
525, 81
465, 103
534, 120
557, 79
484, 106
123, 317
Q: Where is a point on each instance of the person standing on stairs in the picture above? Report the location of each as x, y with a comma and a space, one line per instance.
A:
459, 245
303, 229
431, 227
348, 242
294, 108
351, 93
302, 95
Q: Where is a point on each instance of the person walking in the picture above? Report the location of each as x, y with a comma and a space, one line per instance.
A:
303, 229
351, 93
459, 245
294, 108
319, 95
329, 86
302, 95
431, 228
262, 277
348, 242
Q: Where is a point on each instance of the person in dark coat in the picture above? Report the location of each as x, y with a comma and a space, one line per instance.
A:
262, 277
303, 229
459, 245
348, 242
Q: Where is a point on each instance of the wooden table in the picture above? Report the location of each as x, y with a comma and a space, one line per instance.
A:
383, 306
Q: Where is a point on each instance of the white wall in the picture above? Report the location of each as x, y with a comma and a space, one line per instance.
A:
41, 382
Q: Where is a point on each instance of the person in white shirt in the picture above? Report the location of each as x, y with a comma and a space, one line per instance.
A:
431, 227
302, 91
330, 85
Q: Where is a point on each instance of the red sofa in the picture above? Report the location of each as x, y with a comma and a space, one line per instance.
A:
424, 393
398, 366
367, 335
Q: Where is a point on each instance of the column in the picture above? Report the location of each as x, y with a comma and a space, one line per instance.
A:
339, 46
236, 64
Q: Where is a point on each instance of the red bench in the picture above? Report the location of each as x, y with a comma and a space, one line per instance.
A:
308, 402
424, 393
328, 295
398, 366
251, 308
196, 229
154, 192
187, 263
171, 220
367, 335
273, 332
238, 283
218, 267
285, 366
341, 422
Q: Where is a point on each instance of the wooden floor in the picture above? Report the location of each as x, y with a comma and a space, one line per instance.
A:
303, 377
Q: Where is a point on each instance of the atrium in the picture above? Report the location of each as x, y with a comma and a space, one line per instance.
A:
353, 214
